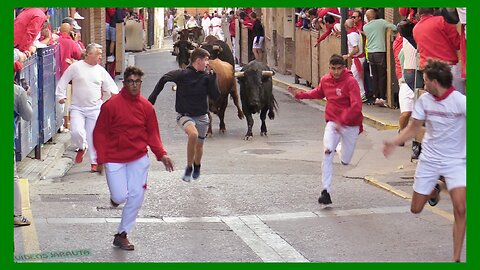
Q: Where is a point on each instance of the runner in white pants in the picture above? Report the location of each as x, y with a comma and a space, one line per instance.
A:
89, 79
343, 113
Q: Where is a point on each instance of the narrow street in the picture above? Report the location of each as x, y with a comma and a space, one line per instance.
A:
256, 201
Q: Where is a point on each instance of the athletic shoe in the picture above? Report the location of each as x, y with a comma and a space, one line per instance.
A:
121, 241
110, 59
80, 154
324, 198
93, 168
187, 177
434, 201
77, 16
196, 171
113, 204
364, 99
20, 220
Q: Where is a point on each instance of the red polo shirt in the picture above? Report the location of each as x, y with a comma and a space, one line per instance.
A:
26, 27
68, 49
436, 39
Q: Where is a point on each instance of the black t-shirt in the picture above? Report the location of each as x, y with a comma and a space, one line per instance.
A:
193, 88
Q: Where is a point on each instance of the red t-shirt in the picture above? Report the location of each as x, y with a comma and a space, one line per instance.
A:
125, 127
436, 39
26, 27
344, 104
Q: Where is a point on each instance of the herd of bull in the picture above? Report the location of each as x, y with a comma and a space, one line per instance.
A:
255, 80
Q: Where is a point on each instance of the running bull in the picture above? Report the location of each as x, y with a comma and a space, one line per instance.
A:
256, 94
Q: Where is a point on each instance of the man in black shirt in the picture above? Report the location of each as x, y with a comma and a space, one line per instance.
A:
194, 86
258, 37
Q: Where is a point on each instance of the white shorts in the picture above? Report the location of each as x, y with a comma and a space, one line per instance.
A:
406, 98
427, 174
258, 42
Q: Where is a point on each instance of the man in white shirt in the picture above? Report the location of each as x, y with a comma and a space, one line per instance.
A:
355, 52
443, 111
206, 24
89, 80
217, 31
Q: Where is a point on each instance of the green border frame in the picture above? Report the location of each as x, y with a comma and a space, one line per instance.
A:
6, 107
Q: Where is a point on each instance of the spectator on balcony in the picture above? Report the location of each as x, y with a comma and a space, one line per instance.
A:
26, 28
377, 56
90, 81
329, 23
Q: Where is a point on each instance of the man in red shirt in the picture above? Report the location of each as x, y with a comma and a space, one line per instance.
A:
437, 39
127, 124
343, 114
26, 28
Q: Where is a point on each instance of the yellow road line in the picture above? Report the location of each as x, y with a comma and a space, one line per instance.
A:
371, 180
29, 233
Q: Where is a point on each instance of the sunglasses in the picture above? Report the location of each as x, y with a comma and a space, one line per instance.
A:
130, 81
353, 17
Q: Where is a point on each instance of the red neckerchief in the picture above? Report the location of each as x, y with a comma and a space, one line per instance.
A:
445, 95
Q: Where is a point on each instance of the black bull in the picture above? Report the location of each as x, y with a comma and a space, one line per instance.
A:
256, 94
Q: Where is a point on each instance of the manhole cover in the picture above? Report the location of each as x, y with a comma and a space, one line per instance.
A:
263, 151
68, 197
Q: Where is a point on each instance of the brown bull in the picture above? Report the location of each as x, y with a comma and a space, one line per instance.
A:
226, 85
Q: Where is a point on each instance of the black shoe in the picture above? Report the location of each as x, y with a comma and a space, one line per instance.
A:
196, 171
416, 149
434, 201
324, 198
113, 204
187, 177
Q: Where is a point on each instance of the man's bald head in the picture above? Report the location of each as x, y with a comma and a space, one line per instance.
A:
349, 24
371, 14
65, 28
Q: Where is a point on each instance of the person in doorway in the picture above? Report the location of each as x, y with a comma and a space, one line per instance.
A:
343, 114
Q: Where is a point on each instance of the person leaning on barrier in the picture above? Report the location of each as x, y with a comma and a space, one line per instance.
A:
22, 108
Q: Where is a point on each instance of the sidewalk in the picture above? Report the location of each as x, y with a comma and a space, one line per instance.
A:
375, 116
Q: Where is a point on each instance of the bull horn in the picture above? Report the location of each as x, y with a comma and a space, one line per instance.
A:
268, 73
239, 74
190, 51
195, 44
217, 48
174, 87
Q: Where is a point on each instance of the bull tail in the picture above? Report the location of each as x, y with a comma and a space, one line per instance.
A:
273, 108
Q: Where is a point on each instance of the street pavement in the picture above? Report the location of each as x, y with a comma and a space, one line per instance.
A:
256, 201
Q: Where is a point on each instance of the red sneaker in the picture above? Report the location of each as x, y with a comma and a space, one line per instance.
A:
80, 154
94, 168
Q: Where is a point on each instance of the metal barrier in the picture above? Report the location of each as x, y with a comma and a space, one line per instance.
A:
27, 132
39, 72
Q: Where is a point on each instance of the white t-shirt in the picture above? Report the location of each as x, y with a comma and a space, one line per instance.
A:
205, 22
354, 39
215, 21
410, 54
88, 82
445, 123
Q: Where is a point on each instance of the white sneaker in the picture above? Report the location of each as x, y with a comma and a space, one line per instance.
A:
111, 58
77, 16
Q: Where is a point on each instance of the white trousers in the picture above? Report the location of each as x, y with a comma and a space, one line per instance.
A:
458, 82
218, 32
82, 123
127, 183
357, 77
348, 136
